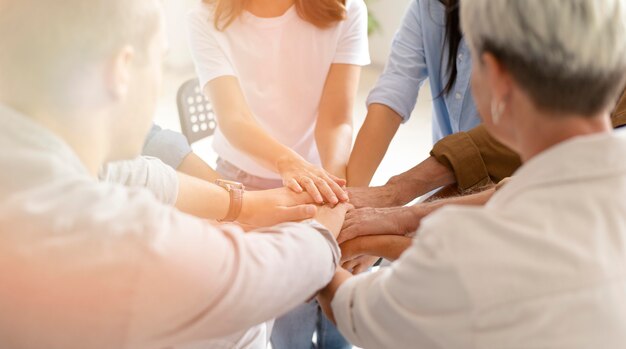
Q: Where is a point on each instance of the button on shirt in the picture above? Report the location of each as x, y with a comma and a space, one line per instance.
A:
543, 265
416, 55
88, 264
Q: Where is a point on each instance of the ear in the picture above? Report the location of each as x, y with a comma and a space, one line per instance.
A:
118, 74
498, 77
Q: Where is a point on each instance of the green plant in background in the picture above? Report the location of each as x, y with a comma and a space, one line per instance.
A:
372, 23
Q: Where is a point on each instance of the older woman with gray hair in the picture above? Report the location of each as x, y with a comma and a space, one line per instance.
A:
542, 265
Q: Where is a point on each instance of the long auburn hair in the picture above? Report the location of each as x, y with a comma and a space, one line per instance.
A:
321, 13
452, 39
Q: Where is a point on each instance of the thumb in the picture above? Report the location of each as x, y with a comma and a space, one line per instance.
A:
296, 213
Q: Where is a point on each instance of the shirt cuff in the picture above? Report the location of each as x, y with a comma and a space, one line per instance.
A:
330, 238
343, 306
459, 153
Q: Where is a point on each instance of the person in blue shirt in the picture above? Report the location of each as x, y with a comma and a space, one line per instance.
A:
428, 46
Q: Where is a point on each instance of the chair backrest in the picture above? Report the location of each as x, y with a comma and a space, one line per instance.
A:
197, 119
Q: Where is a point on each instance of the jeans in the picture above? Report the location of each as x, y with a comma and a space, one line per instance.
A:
295, 329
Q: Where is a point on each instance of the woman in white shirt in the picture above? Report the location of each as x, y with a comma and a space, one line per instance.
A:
542, 264
282, 76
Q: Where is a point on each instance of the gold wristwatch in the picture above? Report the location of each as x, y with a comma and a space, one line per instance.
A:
235, 190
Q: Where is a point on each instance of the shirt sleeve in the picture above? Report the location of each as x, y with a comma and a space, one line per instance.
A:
209, 57
406, 69
202, 282
144, 172
169, 146
415, 303
353, 47
619, 114
476, 158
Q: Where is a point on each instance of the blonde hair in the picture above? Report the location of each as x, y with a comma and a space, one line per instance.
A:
321, 13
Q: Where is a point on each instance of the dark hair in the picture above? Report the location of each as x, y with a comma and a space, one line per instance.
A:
453, 39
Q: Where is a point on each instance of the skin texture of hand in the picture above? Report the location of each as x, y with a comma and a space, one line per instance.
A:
332, 217
270, 207
390, 247
299, 175
385, 196
380, 221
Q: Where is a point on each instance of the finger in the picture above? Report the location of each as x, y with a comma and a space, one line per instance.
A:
325, 190
340, 181
296, 213
349, 265
345, 235
337, 190
310, 187
360, 268
293, 185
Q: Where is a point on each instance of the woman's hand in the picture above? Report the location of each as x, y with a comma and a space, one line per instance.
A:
270, 207
299, 175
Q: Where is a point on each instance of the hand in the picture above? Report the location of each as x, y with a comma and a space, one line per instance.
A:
385, 196
360, 264
380, 221
299, 175
332, 218
389, 247
270, 207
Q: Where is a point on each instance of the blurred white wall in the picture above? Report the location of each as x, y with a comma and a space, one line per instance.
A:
389, 13
179, 57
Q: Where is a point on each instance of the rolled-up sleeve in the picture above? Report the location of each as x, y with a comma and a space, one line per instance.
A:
144, 172
476, 158
415, 303
406, 69
619, 114
169, 146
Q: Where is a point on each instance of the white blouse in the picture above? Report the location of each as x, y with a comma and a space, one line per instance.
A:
543, 265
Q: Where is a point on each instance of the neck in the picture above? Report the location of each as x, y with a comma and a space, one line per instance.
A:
269, 8
549, 130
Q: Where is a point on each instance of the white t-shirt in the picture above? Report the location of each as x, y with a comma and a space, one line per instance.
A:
282, 64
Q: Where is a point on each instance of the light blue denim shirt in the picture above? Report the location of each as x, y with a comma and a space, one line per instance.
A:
169, 146
418, 53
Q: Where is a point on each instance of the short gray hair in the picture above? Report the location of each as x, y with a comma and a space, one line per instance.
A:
42, 41
568, 55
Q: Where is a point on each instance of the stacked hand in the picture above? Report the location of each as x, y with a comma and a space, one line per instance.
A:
299, 175
270, 207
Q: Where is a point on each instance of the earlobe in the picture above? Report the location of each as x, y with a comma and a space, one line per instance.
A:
119, 73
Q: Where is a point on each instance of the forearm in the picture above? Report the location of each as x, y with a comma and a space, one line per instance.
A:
193, 166
201, 199
325, 297
334, 143
372, 142
248, 137
478, 199
421, 179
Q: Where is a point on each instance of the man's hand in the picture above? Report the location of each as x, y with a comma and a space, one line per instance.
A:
361, 253
381, 221
359, 264
270, 207
332, 218
385, 196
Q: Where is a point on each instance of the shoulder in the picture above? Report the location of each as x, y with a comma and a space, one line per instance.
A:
201, 13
